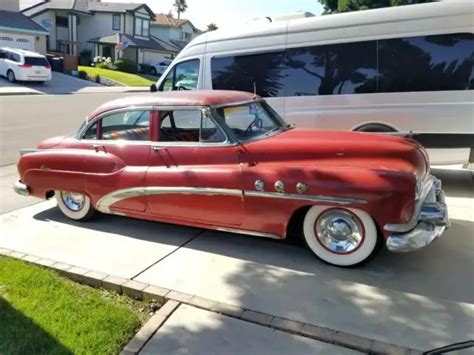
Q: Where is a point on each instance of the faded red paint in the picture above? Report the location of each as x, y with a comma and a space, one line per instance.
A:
381, 170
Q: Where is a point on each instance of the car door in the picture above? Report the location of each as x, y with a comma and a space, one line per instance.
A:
194, 172
118, 145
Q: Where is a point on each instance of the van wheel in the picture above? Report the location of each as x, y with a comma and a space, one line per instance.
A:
375, 127
11, 76
341, 236
74, 205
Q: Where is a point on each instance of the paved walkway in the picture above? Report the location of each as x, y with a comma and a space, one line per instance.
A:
420, 300
190, 330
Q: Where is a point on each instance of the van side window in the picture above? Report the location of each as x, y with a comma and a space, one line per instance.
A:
263, 73
183, 76
423, 63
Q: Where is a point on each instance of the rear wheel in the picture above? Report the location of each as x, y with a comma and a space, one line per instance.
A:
74, 205
11, 76
340, 236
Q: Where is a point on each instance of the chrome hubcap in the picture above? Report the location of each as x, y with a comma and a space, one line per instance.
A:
339, 231
73, 200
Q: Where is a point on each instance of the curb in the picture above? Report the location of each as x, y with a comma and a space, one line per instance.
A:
173, 299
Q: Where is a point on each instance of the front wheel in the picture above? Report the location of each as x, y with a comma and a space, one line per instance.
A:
74, 205
11, 76
340, 236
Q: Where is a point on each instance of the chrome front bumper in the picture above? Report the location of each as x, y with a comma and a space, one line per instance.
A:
21, 189
428, 223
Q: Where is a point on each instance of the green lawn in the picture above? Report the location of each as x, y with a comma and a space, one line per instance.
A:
121, 77
43, 313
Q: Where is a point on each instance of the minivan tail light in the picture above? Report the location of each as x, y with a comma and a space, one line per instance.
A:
48, 66
26, 65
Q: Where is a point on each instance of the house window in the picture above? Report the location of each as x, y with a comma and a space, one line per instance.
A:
185, 36
116, 22
142, 26
62, 21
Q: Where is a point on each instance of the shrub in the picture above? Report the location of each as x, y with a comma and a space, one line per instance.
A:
125, 66
102, 62
97, 79
102, 65
82, 74
145, 68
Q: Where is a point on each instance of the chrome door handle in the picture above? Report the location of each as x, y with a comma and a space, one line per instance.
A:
157, 148
98, 146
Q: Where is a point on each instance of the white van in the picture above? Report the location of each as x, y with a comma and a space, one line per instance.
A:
398, 69
18, 64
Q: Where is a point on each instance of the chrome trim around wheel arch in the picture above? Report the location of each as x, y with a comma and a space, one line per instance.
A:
105, 202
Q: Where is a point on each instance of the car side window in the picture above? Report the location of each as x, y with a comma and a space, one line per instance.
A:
3, 55
183, 76
189, 126
125, 125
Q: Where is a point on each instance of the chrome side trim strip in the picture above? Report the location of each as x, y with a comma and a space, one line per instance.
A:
104, 203
246, 232
309, 198
28, 151
108, 200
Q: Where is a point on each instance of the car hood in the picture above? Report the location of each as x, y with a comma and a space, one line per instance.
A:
303, 147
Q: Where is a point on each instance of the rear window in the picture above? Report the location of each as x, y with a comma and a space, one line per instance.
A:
36, 61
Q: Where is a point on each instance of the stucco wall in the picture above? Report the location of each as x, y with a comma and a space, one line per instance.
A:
49, 15
95, 26
10, 5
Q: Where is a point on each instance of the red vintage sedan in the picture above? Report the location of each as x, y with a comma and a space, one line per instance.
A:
225, 160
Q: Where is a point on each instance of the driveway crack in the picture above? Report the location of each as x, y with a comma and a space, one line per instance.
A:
170, 253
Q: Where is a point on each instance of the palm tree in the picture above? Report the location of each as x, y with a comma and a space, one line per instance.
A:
180, 6
211, 27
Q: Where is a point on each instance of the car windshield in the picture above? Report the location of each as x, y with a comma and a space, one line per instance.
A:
252, 120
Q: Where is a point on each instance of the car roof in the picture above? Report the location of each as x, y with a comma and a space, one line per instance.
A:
23, 52
178, 98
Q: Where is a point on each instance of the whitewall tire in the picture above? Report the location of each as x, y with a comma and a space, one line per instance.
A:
74, 205
340, 236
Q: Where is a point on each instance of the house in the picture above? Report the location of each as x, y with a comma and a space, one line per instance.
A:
116, 30
178, 32
18, 31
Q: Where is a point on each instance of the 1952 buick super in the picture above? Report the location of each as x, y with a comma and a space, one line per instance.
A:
225, 160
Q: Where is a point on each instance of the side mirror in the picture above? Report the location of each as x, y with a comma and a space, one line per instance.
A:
153, 88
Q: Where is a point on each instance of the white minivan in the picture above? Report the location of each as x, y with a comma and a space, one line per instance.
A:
21, 65
393, 70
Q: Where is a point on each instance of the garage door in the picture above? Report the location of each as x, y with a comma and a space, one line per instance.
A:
17, 41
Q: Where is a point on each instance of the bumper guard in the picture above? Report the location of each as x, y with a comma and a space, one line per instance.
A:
431, 220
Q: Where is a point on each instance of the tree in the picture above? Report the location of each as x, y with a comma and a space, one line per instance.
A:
180, 6
334, 6
211, 27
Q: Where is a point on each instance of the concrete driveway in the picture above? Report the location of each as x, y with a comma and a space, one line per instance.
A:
419, 300
59, 84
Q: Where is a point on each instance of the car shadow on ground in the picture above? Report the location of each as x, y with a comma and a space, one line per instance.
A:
284, 279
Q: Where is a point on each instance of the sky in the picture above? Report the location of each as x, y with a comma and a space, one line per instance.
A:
227, 13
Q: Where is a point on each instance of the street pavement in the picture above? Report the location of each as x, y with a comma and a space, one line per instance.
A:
27, 120
420, 300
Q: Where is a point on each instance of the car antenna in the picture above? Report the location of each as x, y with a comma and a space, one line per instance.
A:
254, 90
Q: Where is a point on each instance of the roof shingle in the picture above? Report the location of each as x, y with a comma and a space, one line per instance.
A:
16, 20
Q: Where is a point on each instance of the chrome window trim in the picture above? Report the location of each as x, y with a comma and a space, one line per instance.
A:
229, 142
79, 134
